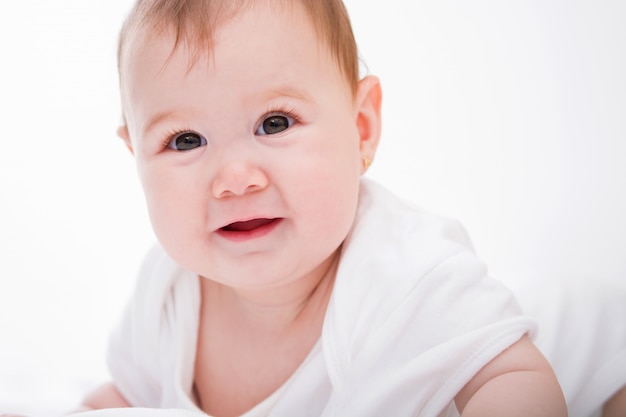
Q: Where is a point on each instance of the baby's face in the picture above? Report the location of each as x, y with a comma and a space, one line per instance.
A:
250, 161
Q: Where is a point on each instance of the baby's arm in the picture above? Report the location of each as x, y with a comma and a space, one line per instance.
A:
518, 382
107, 396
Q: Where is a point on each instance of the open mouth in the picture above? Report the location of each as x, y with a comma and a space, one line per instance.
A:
248, 226
249, 229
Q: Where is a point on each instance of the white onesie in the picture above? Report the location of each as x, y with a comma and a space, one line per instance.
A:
411, 319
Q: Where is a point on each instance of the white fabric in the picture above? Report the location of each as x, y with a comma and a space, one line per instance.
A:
582, 332
411, 319
136, 412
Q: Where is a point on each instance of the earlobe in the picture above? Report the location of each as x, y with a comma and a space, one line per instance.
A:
368, 118
122, 132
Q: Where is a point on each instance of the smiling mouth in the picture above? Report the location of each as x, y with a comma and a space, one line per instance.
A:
248, 226
249, 229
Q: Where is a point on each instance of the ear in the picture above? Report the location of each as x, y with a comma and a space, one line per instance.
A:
122, 132
368, 118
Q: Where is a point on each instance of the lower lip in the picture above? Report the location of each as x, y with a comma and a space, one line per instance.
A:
250, 234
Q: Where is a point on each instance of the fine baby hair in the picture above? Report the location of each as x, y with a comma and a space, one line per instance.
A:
195, 22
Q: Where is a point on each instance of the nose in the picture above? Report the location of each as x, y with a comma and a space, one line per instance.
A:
237, 179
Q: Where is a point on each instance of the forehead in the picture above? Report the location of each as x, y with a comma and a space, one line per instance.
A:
267, 46
200, 37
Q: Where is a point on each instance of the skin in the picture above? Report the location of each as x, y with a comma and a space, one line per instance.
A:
307, 176
616, 405
265, 291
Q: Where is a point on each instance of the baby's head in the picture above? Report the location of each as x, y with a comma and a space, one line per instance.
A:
194, 23
250, 130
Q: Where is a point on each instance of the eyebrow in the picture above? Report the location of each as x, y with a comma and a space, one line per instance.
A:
286, 91
156, 119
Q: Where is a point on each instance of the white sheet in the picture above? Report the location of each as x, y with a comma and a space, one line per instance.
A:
139, 412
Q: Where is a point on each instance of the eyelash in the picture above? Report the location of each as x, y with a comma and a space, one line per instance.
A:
171, 135
279, 111
288, 112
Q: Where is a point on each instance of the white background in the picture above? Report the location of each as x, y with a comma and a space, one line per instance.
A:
510, 116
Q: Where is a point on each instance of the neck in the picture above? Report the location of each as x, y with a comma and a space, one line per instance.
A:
278, 309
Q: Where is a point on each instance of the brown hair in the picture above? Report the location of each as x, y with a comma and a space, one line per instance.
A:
194, 22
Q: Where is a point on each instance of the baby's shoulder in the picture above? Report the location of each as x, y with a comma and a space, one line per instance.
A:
385, 223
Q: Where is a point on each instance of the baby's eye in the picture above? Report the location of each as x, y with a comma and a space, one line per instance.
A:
275, 123
186, 141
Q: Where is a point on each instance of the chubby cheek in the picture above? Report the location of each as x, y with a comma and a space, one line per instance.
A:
327, 185
174, 205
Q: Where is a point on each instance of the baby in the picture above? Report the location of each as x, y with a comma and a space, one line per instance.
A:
284, 284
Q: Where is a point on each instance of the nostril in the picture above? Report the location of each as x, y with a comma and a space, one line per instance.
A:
254, 187
238, 180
